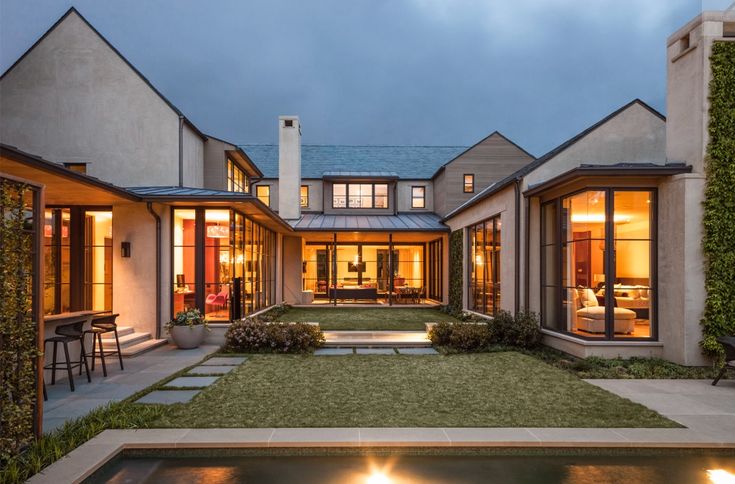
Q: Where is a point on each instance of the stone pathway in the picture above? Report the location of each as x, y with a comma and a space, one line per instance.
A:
170, 392
139, 373
705, 410
376, 338
342, 351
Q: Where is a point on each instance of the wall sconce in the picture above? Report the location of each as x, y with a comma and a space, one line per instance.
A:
125, 249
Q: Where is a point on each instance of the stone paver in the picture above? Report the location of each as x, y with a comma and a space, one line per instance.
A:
333, 351
167, 397
192, 381
418, 351
376, 338
139, 373
706, 411
225, 361
375, 351
211, 370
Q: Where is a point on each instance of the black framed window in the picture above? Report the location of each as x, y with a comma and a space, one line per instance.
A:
484, 266
263, 192
598, 271
435, 269
468, 183
360, 195
418, 197
237, 180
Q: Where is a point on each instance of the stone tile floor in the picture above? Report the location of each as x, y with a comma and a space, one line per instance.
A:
706, 410
139, 373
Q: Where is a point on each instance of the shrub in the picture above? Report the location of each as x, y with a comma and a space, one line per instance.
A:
253, 336
469, 336
439, 333
274, 313
191, 317
521, 331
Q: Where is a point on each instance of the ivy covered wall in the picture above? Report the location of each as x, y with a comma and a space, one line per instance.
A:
18, 331
456, 258
719, 203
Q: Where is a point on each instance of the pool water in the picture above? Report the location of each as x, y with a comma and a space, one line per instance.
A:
424, 469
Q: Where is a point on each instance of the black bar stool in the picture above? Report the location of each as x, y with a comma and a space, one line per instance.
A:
101, 325
65, 334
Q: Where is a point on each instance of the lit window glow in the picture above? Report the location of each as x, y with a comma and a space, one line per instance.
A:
720, 476
378, 478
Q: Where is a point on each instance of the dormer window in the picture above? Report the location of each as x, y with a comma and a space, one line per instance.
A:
237, 181
360, 195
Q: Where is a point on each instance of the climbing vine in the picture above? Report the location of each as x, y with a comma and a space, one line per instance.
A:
18, 348
456, 258
719, 203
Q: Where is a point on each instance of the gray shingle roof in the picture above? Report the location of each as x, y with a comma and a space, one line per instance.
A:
395, 223
408, 162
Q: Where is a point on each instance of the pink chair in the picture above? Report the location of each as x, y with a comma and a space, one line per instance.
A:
218, 299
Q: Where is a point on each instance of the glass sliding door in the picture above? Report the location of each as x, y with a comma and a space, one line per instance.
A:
97, 290
484, 266
217, 265
184, 260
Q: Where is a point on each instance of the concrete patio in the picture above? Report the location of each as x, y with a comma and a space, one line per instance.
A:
139, 373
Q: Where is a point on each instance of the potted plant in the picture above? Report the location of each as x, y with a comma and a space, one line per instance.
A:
187, 328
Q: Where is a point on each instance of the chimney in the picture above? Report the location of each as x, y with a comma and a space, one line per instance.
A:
289, 167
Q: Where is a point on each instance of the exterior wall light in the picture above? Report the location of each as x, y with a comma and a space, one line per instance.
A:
125, 249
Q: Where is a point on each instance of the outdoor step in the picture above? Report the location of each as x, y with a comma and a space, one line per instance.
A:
376, 339
121, 331
137, 349
127, 340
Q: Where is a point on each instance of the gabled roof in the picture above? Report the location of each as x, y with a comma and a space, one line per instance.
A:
408, 162
73, 10
243, 159
519, 174
411, 222
494, 133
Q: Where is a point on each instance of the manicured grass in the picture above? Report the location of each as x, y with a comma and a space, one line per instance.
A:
504, 389
366, 319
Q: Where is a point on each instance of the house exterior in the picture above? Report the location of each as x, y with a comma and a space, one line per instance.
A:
146, 215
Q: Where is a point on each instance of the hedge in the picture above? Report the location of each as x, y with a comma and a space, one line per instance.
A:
719, 203
456, 258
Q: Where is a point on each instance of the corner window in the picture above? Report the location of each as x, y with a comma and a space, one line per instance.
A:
598, 262
418, 197
263, 192
469, 184
360, 195
237, 181
304, 196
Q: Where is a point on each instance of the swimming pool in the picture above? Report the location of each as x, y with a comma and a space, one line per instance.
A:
403, 468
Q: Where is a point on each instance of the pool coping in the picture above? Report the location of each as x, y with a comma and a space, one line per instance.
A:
93, 454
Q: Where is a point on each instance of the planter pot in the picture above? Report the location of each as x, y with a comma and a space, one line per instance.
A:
188, 337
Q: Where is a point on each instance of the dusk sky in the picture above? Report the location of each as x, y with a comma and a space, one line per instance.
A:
384, 72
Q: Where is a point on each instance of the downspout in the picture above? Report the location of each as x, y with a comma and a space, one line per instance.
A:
149, 206
517, 241
181, 150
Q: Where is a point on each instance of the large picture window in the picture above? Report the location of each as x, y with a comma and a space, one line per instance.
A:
484, 266
223, 263
360, 195
597, 261
237, 180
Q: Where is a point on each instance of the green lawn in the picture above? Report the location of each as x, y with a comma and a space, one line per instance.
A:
366, 319
504, 389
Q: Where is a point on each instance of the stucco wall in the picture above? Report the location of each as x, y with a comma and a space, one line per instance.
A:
215, 164
193, 157
273, 183
72, 99
634, 135
316, 195
292, 269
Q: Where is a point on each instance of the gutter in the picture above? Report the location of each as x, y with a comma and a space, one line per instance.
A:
181, 150
517, 241
149, 206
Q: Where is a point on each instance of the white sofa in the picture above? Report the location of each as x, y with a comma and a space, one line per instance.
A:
591, 316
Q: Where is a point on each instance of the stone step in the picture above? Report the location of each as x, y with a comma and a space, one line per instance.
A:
130, 339
147, 345
121, 331
376, 339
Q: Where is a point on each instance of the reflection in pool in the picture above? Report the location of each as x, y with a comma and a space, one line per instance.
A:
424, 469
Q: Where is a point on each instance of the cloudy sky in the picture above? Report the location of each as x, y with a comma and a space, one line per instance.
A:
390, 72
